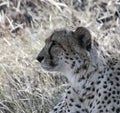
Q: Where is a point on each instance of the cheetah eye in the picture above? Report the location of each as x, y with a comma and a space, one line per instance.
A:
58, 45
54, 43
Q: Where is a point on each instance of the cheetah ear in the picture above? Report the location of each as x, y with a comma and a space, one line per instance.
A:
83, 37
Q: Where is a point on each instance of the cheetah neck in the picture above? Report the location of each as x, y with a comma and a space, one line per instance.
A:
97, 63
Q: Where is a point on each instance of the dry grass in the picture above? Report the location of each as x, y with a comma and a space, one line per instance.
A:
24, 87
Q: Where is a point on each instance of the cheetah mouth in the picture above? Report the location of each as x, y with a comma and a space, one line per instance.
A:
46, 67
49, 67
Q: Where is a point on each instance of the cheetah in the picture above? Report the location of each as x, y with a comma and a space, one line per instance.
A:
93, 75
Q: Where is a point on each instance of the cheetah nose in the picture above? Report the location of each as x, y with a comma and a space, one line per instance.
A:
40, 58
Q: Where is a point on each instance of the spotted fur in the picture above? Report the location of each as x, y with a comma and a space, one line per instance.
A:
94, 75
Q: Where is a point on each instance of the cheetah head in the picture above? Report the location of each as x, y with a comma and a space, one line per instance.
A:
66, 51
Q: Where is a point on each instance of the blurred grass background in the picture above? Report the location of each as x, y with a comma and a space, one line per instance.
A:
24, 25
